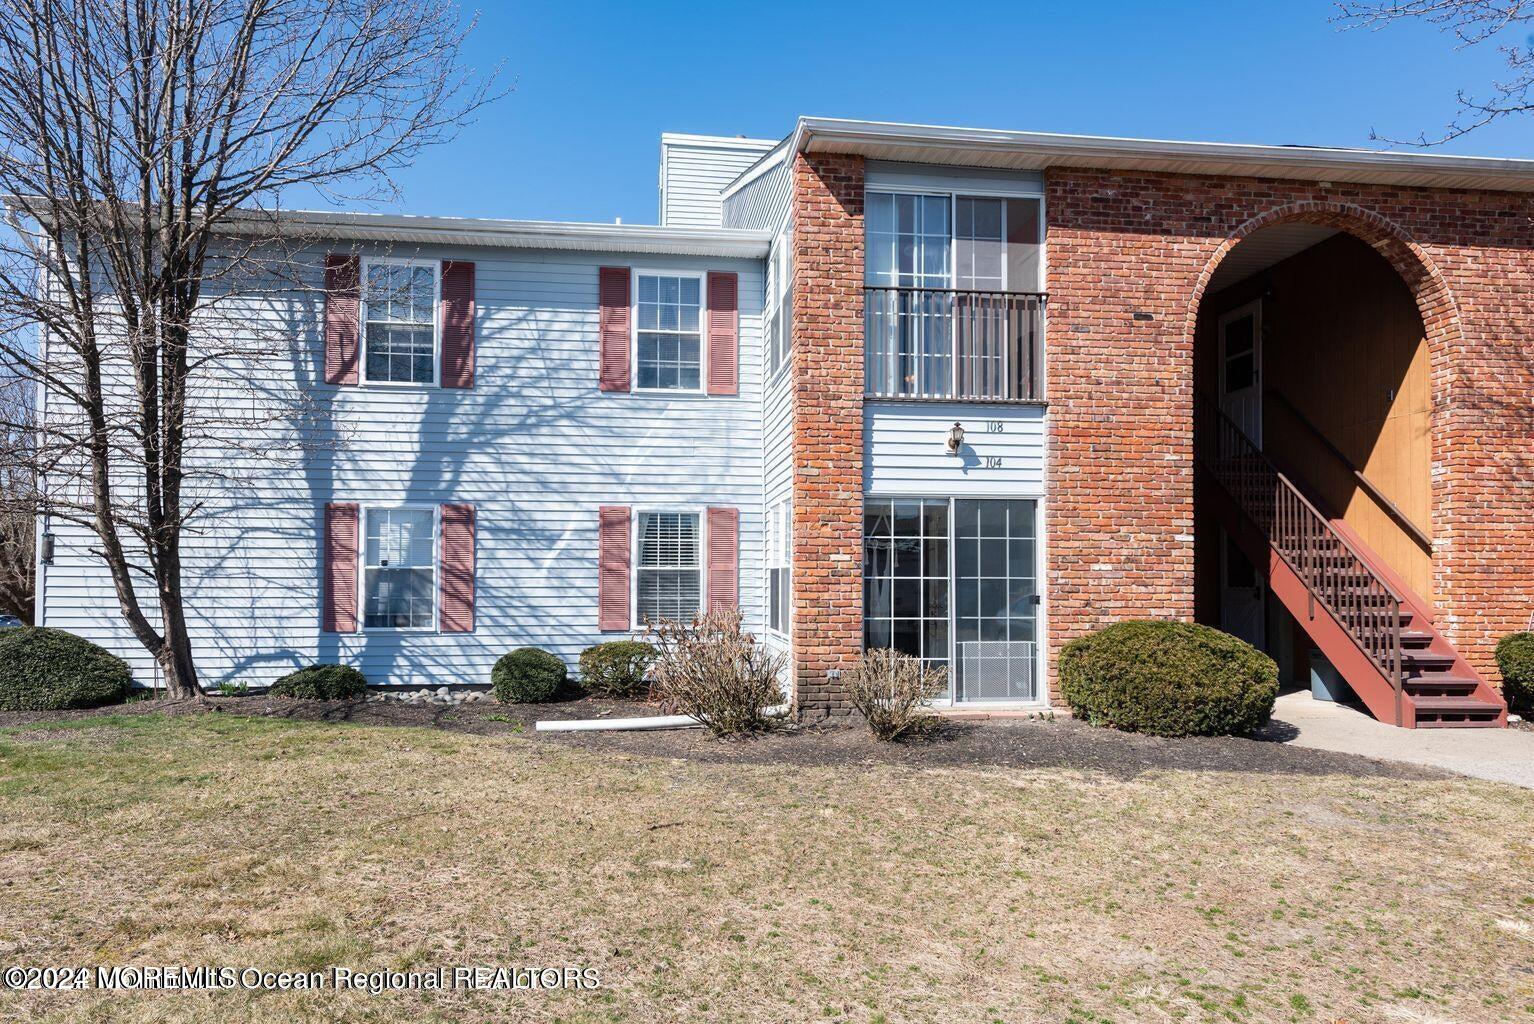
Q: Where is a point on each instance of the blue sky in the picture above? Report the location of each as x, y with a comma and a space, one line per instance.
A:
596, 83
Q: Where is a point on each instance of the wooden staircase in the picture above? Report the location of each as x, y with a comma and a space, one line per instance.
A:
1377, 633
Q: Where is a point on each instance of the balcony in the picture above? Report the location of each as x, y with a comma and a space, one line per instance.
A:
945, 343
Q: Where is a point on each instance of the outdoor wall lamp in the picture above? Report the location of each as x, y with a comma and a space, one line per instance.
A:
45, 546
955, 439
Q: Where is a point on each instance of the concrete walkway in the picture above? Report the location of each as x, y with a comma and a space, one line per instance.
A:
1501, 755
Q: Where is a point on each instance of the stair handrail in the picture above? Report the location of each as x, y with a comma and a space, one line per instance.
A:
1372, 489
1358, 598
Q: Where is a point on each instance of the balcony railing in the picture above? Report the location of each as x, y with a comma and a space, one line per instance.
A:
950, 343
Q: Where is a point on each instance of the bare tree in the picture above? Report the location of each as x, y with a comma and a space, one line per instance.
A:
1471, 23
147, 147
18, 504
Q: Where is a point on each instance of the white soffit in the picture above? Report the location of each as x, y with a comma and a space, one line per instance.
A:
979, 147
1262, 249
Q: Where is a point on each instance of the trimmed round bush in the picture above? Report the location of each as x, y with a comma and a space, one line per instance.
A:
1168, 679
1515, 660
528, 675
321, 682
49, 670
617, 668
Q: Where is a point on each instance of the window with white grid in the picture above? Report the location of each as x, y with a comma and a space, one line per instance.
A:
777, 333
670, 313
399, 301
780, 531
399, 568
670, 569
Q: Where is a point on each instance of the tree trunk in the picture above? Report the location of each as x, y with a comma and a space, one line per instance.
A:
175, 658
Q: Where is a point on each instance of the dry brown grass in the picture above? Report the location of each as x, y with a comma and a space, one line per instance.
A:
752, 893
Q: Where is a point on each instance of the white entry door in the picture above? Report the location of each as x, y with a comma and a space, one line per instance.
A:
1241, 369
1243, 595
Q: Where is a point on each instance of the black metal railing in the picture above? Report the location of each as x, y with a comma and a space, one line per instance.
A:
1333, 571
952, 343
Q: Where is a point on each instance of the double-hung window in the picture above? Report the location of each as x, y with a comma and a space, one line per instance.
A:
399, 321
777, 336
779, 532
669, 353
399, 575
669, 580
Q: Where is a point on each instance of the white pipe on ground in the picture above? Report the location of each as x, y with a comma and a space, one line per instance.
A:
636, 724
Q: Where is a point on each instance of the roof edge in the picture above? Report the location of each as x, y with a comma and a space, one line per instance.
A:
519, 234
1047, 149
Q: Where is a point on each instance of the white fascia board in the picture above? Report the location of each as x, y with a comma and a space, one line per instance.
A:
1036, 150
519, 234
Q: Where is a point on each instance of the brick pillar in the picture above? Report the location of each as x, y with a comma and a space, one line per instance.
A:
827, 400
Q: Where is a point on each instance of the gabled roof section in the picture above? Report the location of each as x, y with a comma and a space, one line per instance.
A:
983, 147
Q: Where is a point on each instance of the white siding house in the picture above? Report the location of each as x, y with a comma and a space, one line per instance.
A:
534, 446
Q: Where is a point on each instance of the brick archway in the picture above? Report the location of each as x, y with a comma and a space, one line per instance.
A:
1440, 315
1429, 290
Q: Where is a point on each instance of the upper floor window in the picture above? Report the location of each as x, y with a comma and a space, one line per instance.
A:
669, 582
670, 348
777, 335
951, 307
908, 240
399, 571
399, 321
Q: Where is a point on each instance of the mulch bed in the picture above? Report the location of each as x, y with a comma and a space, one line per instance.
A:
998, 742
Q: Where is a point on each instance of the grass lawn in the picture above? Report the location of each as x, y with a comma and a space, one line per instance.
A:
747, 892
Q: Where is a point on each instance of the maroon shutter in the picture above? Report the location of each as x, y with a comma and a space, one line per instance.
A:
723, 559
457, 324
342, 310
339, 614
723, 334
613, 568
455, 606
613, 327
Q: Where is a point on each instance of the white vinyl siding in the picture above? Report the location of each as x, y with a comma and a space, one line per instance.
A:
761, 202
905, 449
694, 173
534, 446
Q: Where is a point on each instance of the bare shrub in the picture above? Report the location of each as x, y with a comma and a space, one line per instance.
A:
890, 690
712, 669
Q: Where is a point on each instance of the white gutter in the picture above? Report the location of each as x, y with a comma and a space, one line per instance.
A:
525, 234
991, 147
520, 234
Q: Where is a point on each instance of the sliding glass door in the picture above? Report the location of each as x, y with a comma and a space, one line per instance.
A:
996, 601
955, 583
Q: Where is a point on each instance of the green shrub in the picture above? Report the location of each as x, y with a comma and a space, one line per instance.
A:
321, 682
617, 668
48, 669
528, 675
1515, 660
1168, 679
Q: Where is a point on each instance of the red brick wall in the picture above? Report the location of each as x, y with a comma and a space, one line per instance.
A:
827, 427
1128, 257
